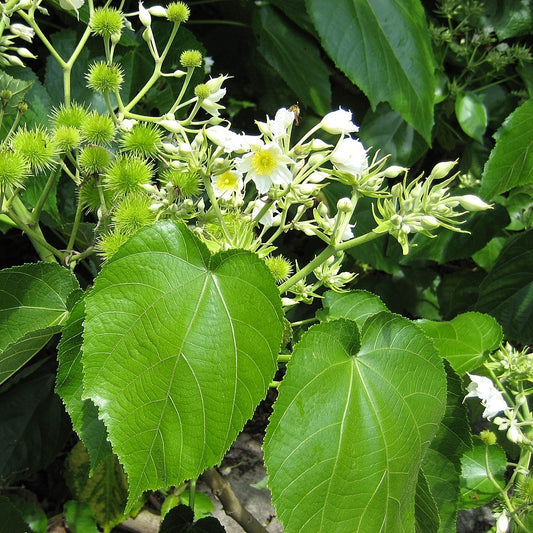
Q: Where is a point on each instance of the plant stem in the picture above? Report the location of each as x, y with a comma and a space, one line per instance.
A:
36, 213
232, 506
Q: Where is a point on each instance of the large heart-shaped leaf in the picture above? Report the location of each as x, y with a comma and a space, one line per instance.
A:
351, 424
179, 348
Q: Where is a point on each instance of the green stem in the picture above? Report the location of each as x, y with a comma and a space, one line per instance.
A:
284, 357
192, 493
36, 213
323, 256
23, 219
156, 73
75, 226
186, 81
216, 208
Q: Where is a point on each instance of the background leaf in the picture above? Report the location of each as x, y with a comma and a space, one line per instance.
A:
356, 305
466, 340
179, 348
12, 521
386, 53
296, 58
471, 114
37, 427
350, 427
511, 161
69, 386
33, 304
507, 291
476, 488
105, 491
442, 462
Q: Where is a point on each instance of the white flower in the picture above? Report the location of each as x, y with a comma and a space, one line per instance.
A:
71, 5
349, 156
231, 141
279, 126
210, 104
224, 185
144, 16
157, 11
22, 31
502, 524
339, 121
491, 398
126, 124
265, 165
270, 217
208, 64
514, 434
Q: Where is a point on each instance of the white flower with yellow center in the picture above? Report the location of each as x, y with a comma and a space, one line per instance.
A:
231, 141
226, 184
265, 165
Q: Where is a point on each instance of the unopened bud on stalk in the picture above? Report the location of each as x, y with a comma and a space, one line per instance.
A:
441, 170
393, 171
345, 205
472, 202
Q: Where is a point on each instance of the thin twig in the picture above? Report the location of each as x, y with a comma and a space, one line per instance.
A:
232, 506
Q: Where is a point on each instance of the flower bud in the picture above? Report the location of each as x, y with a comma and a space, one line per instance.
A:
429, 222
393, 171
338, 122
472, 203
441, 170
345, 205
144, 16
157, 11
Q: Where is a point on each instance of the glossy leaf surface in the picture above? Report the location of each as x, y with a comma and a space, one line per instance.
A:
33, 304
353, 419
466, 340
386, 53
179, 348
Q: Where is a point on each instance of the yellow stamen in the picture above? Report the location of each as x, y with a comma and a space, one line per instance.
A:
264, 162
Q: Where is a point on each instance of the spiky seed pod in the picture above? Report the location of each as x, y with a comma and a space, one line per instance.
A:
72, 115
280, 267
98, 129
178, 12
67, 138
14, 169
133, 213
36, 147
106, 21
128, 173
109, 243
94, 159
104, 77
186, 184
143, 139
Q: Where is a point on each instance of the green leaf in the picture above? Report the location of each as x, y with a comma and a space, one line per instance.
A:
179, 348
476, 489
33, 304
511, 161
37, 426
18, 89
79, 517
507, 291
384, 130
105, 491
12, 521
356, 305
471, 114
426, 512
370, 406
442, 466
466, 340
383, 48
34, 517
296, 58
69, 386
458, 292
511, 18
295, 10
